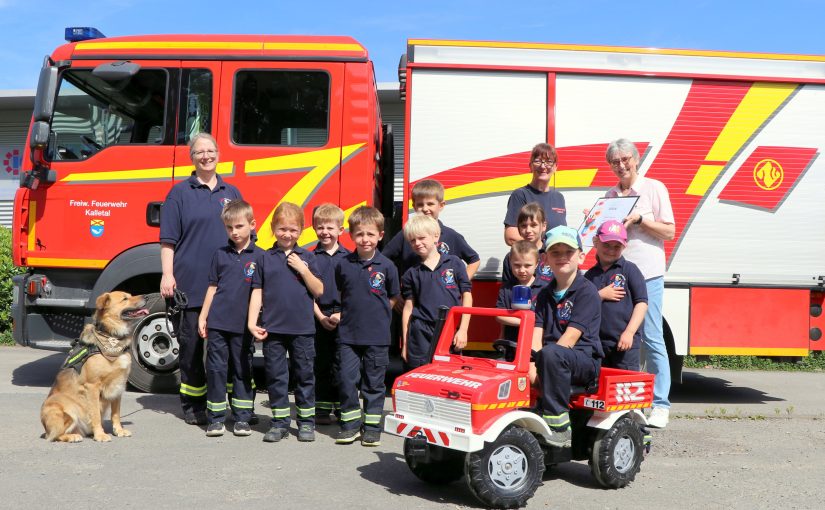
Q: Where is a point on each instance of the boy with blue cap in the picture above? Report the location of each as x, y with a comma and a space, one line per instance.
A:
566, 334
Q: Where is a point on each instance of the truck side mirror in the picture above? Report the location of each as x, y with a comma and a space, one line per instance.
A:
46, 93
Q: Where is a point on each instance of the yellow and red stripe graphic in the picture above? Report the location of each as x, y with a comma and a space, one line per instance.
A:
715, 122
321, 164
142, 174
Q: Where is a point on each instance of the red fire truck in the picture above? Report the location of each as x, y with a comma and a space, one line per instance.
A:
736, 138
296, 118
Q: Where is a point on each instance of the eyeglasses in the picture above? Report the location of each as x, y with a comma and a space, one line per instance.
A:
617, 162
543, 162
210, 153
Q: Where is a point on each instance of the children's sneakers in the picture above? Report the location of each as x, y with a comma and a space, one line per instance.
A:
215, 430
659, 417
275, 434
371, 438
347, 436
241, 428
306, 433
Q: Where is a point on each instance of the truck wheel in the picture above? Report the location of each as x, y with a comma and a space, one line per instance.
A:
507, 472
439, 467
154, 353
617, 454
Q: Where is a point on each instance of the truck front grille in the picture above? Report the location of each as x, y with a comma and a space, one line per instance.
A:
448, 411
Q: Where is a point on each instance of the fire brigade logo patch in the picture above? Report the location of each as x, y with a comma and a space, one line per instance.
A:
96, 228
377, 280
522, 383
448, 277
225, 201
618, 281
249, 270
443, 248
564, 310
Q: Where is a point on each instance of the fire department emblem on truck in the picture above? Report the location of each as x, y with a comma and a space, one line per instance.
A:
96, 228
768, 174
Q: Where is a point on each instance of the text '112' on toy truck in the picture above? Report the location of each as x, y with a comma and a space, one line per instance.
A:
475, 417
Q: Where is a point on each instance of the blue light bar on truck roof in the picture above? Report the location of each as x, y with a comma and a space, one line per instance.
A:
75, 34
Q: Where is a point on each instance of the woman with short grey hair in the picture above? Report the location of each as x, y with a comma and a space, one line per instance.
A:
648, 225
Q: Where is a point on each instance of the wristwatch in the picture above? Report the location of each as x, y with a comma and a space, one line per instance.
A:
639, 221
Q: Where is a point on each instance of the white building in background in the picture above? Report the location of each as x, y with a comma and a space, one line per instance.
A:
16, 110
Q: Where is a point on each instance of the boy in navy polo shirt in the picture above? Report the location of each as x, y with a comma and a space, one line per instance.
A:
532, 224
523, 259
222, 322
328, 222
428, 200
369, 287
438, 280
286, 285
566, 334
624, 297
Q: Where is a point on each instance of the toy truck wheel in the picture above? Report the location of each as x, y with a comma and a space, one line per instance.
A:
154, 353
617, 454
507, 472
438, 466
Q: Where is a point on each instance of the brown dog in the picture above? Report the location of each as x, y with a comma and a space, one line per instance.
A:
94, 375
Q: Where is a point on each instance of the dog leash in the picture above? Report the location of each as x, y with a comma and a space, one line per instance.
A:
174, 305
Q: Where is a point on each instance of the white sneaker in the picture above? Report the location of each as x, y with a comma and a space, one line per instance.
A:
659, 416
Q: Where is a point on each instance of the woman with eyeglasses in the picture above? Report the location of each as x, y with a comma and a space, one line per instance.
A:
543, 161
648, 225
191, 230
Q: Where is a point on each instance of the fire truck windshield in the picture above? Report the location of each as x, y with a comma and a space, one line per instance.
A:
92, 114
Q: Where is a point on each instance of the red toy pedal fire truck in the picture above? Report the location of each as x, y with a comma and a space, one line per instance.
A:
474, 416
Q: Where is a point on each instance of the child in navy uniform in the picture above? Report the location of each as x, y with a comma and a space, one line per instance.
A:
624, 297
531, 227
437, 280
369, 287
328, 222
286, 285
428, 200
223, 322
523, 259
566, 334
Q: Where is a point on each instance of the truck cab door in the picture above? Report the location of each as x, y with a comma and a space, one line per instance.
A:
111, 146
280, 126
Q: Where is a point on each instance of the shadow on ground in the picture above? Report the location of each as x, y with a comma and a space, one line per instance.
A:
700, 389
391, 472
38, 373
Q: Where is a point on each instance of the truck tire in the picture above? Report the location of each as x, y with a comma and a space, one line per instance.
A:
439, 467
506, 472
154, 353
617, 454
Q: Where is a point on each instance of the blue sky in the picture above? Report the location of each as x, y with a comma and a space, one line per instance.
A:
29, 29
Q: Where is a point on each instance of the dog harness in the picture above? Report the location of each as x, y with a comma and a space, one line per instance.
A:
107, 346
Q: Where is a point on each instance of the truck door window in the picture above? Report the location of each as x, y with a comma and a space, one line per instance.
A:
92, 114
195, 104
281, 108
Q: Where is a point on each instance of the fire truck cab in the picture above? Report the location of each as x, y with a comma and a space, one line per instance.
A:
296, 119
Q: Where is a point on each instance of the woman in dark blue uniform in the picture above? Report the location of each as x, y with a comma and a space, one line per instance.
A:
191, 230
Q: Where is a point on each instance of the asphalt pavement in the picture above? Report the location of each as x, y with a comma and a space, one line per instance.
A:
736, 440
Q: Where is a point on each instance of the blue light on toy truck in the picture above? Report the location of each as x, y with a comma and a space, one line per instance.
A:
75, 34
